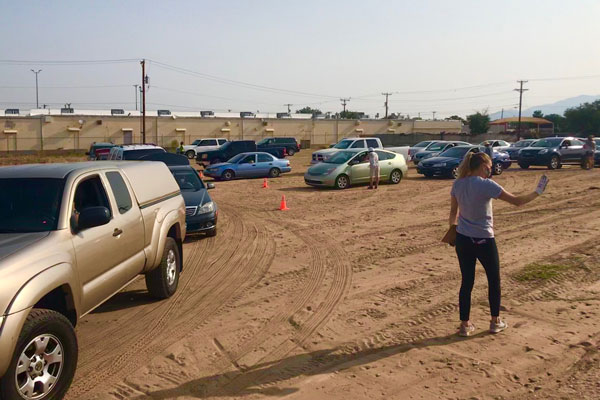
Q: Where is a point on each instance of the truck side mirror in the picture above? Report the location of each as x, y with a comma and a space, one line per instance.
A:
90, 217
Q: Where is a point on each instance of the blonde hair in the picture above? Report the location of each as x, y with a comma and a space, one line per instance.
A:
472, 162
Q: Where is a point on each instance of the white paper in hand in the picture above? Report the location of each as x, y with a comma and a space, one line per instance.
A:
542, 185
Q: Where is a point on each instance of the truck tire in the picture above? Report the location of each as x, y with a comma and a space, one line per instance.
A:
554, 162
55, 366
342, 182
228, 175
190, 154
274, 172
291, 152
162, 281
396, 176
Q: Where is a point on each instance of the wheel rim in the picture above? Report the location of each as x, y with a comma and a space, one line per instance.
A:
274, 173
554, 162
455, 172
171, 267
342, 182
498, 169
396, 177
190, 154
39, 367
227, 175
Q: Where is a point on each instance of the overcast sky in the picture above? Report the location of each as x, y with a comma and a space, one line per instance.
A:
430, 54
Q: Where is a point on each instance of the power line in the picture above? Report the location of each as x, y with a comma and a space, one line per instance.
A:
68, 62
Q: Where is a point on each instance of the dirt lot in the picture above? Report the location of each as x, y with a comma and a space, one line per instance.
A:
351, 295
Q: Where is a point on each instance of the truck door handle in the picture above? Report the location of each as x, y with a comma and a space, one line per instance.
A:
117, 232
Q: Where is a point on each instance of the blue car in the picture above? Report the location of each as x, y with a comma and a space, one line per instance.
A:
249, 165
434, 149
515, 148
552, 152
446, 164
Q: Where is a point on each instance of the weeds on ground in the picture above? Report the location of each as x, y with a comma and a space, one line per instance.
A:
544, 271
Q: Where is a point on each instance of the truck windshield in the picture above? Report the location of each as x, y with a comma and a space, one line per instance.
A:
29, 204
340, 158
188, 180
344, 144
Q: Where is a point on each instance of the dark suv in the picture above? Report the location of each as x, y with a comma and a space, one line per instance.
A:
290, 144
552, 152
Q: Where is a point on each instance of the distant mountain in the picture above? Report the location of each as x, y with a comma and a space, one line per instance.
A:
555, 108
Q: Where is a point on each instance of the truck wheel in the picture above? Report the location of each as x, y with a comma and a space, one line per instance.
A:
396, 176
523, 165
227, 175
342, 182
554, 162
162, 281
274, 172
44, 360
497, 169
291, 152
190, 154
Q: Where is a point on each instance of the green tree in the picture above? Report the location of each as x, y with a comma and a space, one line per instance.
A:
584, 119
538, 114
457, 118
478, 122
352, 114
560, 122
308, 110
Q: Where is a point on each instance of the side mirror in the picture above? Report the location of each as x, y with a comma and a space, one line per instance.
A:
210, 186
91, 217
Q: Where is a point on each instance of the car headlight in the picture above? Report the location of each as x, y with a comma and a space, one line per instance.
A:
544, 151
206, 208
442, 164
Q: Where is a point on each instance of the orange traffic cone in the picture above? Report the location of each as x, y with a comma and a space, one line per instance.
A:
200, 174
265, 184
283, 206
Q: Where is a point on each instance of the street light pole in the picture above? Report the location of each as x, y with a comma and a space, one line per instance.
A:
136, 95
37, 100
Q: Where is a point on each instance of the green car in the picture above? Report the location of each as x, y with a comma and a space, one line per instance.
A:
351, 167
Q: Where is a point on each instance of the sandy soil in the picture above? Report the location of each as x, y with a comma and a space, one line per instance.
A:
351, 295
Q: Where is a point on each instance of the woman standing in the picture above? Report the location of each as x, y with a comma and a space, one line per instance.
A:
471, 212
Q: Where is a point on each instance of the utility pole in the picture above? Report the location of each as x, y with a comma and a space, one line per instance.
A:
434, 115
143, 101
386, 103
502, 114
344, 102
37, 100
288, 106
136, 95
520, 90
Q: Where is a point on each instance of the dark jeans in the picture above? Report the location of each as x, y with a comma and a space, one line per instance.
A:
469, 250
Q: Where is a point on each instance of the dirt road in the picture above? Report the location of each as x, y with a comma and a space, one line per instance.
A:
351, 295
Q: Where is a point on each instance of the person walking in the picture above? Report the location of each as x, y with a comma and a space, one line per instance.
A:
471, 215
589, 147
374, 169
180, 149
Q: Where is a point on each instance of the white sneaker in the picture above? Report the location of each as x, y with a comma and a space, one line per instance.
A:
466, 330
497, 327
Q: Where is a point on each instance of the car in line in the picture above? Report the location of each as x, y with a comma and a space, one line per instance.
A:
71, 236
133, 151
498, 145
204, 144
290, 144
552, 152
446, 164
412, 150
233, 148
350, 167
359, 143
597, 152
515, 148
249, 165
435, 149
98, 147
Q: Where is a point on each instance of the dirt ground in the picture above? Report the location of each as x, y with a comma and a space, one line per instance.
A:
351, 295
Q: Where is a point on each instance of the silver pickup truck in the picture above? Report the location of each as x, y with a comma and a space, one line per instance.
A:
71, 236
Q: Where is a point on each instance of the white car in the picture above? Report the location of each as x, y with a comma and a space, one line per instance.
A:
200, 145
497, 145
356, 143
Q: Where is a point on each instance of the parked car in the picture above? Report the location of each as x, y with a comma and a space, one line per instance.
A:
446, 164
98, 146
205, 144
351, 167
356, 143
290, 144
498, 145
201, 211
435, 149
133, 151
597, 152
231, 149
412, 150
249, 165
72, 235
552, 152
515, 148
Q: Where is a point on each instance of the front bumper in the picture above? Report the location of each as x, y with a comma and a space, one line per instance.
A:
201, 222
426, 170
535, 159
319, 180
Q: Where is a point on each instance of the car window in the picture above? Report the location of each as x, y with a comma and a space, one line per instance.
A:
566, 143
265, 158
372, 143
248, 160
384, 155
137, 154
90, 193
577, 142
359, 144
362, 157
119, 188
222, 141
188, 179
208, 142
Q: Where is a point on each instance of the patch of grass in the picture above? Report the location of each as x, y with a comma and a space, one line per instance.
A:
539, 271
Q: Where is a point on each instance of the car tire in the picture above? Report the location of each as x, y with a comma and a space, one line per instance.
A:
228, 175
396, 176
190, 154
428, 175
291, 152
56, 331
523, 165
162, 281
497, 169
342, 182
554, 162
212, 232
274, 172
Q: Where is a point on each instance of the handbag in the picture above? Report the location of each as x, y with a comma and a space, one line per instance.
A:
450, 236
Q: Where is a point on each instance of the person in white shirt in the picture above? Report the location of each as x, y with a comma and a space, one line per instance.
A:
374, 169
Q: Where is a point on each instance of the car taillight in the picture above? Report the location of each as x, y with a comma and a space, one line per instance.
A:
284, 152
